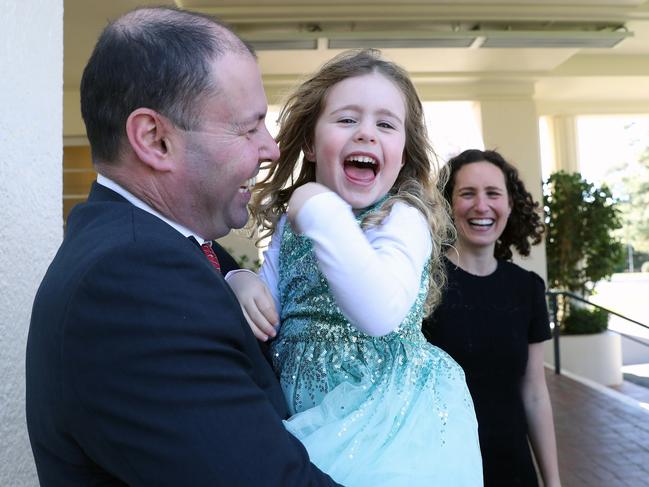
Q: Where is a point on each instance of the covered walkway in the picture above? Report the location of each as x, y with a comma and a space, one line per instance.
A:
602, 434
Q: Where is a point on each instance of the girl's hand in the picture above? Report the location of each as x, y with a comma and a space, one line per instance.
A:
256, 303
300, 196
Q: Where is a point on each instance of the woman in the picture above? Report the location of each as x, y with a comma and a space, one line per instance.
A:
493, 318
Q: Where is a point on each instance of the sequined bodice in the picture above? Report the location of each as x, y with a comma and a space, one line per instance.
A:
318, 348
381, 411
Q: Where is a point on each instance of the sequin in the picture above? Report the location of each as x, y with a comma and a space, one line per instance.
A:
354, 396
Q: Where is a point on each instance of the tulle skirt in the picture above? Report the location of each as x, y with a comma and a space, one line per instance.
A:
405, 421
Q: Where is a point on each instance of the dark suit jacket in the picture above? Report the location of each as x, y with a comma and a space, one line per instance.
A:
141, 369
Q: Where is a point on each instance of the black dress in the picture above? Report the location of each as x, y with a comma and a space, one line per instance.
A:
486, 323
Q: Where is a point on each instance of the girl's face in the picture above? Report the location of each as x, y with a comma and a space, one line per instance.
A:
480, 204
360, 138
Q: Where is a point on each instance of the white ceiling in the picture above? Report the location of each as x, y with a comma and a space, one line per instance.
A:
556, 74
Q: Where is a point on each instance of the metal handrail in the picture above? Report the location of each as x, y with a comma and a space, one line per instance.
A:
552, 295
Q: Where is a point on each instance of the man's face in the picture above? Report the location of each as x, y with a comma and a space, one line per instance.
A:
225, 152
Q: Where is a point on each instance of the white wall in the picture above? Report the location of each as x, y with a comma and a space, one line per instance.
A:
31, 60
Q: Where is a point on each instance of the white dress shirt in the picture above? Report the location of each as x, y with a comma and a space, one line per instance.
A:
135, 201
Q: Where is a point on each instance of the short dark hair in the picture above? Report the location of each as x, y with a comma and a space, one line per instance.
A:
157, 58
524, 223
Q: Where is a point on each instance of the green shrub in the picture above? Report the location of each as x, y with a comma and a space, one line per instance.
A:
581, 245
583, 321
245, 263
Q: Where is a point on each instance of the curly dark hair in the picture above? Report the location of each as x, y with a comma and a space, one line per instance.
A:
524, 227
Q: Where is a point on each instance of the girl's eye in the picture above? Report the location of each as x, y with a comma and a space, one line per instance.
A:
385, 125
346, 120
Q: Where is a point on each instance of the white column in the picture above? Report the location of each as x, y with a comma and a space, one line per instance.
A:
31, 85
563, 129
510, 126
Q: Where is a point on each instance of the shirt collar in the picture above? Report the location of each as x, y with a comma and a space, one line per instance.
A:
135, 201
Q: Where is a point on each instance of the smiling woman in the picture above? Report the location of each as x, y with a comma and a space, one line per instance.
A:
481, 205
493, 317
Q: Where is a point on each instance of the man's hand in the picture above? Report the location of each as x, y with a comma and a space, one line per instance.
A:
256, 303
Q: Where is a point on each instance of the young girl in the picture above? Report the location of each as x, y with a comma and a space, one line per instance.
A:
353, 265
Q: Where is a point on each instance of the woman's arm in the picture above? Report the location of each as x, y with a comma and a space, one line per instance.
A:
538, 411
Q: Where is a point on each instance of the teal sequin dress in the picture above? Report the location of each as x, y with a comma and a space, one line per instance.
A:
371, 411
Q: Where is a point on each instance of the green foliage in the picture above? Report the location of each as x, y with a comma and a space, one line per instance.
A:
582, 321
638, 258
629, 180
580, 243
635, 205
245, 263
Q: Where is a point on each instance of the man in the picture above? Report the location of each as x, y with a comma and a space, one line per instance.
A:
141, 369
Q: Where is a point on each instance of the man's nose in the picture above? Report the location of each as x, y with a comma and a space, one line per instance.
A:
269, 150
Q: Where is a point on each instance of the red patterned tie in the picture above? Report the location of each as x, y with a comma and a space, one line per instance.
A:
211, 256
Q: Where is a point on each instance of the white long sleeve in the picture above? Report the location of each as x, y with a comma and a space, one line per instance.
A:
269, 272
374, 276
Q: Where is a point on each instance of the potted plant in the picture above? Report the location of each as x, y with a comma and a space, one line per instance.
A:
582, 249
583, 321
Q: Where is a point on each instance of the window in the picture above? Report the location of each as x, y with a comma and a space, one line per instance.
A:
453, 126
78, 175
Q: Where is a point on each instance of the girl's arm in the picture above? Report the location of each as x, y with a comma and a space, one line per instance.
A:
538, 411
258, 295
374, 275
256, 302
269, 272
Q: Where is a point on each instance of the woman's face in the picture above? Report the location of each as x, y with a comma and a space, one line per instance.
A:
480, 204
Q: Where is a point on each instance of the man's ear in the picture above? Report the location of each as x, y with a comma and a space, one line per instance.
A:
147, 132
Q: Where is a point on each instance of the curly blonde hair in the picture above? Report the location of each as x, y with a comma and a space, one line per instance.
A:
418, 183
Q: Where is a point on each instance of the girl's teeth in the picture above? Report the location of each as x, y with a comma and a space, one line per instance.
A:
364, 159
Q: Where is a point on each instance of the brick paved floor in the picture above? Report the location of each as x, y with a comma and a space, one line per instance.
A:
602, 441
